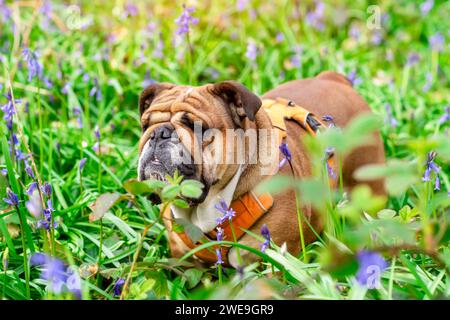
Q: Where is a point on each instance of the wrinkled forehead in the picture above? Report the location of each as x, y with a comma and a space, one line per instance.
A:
195, 100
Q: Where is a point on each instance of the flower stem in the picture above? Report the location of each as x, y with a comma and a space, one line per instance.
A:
219, 272
238, 253
25, 255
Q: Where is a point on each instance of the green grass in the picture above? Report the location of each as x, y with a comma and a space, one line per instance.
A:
411, 231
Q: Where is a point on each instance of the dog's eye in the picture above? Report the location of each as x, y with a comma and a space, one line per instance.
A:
144, 126
188, 122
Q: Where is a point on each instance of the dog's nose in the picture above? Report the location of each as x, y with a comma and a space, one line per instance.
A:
161, 133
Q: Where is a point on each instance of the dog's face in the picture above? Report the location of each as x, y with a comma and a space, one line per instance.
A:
181, 126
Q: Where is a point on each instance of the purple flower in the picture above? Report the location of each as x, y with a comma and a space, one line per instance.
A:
97, 133
131, 10
279, 37
266, 234
28, 170
34, 67
96, 91
241, 5
437, 184
371, 265
46, 188
65, 88
432, 167
353, 78
96, 147
315, 18
82, 163
355, 31
413, 58
34, 205
296, 57
118, 286
4, 172
185, 20
5, 11
59, 277
9, 110
426, 7
219, 234
390, 119
227, 212
287, 155
437, 42
77, 113
428, 83
377, 37
252, 51
33, 186
445, 117
219, 256
158, 51
147, 80
11, 198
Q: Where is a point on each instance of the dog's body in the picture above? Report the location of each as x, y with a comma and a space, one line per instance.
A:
230, 106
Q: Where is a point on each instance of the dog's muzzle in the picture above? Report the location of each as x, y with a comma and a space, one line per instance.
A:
163, 154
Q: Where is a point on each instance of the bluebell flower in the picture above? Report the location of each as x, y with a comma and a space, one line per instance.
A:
241, 5
34, 205
60, 278
413, 58
296, 57
96, 91
97, 133
66, 87
353, 78
252, 51
185, 20
426, 7
5, 10
4, 172
46, 188
428, 82
445, 117
227, 212
287, 155
28, 170
77, 114
371, 265
11, 198
328, 154
437, 42
33, 186
219, 234
117, 288
9, 110
82, 163
147, 80
431, 167
279, 37
131, 10
34, 67
219, 256
315, 18
266, 234
390, 119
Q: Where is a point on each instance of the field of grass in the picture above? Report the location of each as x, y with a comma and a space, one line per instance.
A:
71, 76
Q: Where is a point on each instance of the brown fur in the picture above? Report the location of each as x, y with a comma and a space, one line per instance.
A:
329, 93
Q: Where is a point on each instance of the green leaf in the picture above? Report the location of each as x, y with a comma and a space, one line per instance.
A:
191, 188
170, 192
181, 203
193, 277
136, 187
192, 231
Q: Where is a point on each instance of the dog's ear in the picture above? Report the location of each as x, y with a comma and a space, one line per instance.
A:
149, 93
243, 103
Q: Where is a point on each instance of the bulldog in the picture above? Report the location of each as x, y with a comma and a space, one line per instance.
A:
190, 130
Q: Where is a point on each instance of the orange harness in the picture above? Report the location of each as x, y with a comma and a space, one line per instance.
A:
250, 207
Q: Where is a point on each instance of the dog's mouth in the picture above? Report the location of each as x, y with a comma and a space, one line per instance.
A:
162, 157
